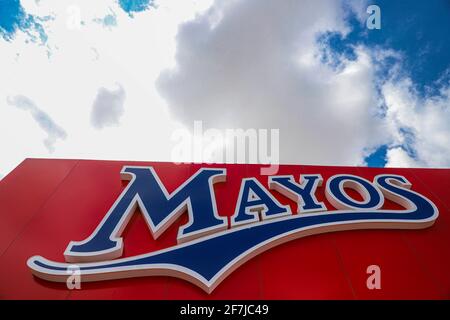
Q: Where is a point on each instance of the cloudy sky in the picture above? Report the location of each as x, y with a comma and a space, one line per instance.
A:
114, 79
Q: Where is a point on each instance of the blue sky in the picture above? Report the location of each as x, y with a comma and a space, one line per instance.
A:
169, 64
419, 29
416, 29
131, 6
13, 18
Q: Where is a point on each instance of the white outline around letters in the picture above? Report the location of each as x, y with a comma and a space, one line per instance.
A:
157, 230
338, 204
263, 208
288, 193
195, 278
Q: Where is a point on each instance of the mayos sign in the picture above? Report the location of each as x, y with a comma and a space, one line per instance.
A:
208, 247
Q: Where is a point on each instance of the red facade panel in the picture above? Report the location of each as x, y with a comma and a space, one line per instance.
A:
45, 204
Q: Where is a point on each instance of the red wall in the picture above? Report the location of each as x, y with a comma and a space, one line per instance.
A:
44, 204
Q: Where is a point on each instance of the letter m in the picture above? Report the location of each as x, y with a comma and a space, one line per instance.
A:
159, 208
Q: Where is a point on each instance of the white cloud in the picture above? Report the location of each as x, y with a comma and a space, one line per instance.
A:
53, 130
419, 122
256, 64
233, 64
64, 76
398, 158
108, 107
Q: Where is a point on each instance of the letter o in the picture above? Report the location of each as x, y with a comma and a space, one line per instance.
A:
335, 193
